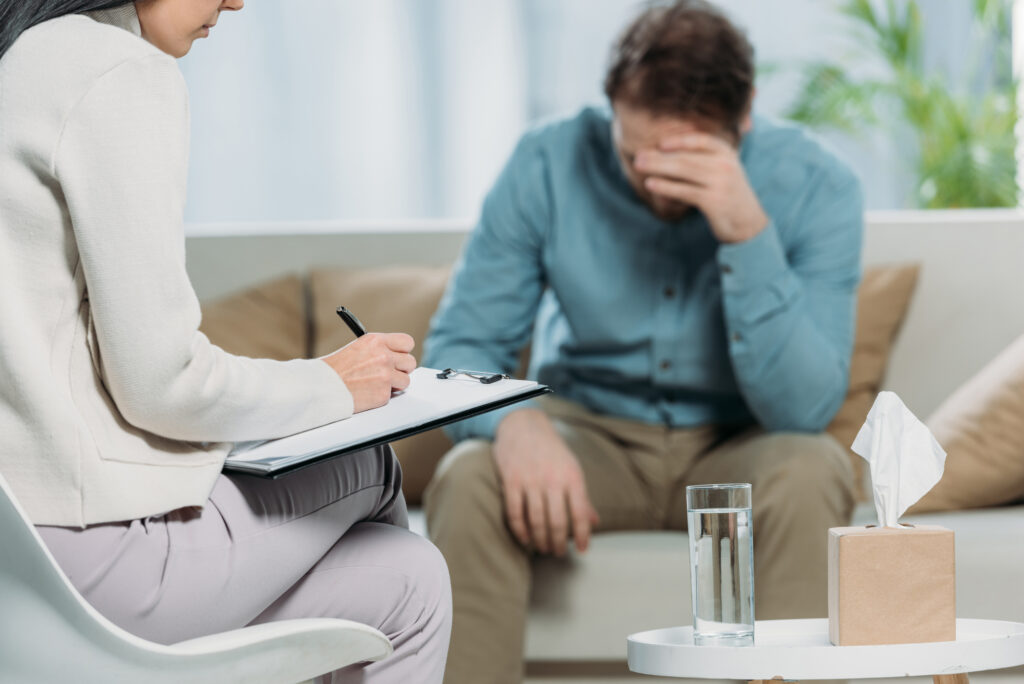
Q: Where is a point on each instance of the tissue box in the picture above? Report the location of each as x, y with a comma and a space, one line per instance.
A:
891, 585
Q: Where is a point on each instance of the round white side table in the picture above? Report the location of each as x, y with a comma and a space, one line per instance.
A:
800, 649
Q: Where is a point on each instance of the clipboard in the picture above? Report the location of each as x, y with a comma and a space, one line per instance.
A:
434, 399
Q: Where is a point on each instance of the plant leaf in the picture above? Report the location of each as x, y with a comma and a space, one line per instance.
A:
829, 98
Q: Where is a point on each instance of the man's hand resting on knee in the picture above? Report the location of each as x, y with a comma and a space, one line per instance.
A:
374, 365
545, 493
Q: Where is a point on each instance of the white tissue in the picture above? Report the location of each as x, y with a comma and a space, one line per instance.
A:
905, 459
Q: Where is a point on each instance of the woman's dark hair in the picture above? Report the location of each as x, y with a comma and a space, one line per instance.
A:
17, 16
683, 59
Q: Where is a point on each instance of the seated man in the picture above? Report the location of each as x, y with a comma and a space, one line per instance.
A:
688, 272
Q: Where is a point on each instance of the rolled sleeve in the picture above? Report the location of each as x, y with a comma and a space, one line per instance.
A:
753, 263
789, 312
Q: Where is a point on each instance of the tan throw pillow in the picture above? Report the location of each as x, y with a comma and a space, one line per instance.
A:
882, 302
264, 322
404, 298
392, 299
981, 427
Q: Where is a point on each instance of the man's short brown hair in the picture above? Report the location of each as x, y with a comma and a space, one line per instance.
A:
683, 59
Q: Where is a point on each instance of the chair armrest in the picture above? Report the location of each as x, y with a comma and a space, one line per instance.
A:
291, 650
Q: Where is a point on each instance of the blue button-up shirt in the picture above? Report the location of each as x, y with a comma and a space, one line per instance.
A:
657, 321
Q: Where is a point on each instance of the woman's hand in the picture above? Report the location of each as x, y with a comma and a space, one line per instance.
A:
373, 366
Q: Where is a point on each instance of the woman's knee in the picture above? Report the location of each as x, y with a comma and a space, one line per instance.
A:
428, 569
410, 570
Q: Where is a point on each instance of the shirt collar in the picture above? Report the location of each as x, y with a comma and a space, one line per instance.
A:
123, 17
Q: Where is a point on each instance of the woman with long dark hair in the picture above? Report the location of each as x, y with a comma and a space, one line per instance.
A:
116, 412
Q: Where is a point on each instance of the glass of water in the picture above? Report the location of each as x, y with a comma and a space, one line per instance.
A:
721, 564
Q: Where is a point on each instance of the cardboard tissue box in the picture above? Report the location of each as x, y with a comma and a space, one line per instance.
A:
892, 583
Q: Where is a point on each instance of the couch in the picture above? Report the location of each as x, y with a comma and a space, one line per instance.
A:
966, 307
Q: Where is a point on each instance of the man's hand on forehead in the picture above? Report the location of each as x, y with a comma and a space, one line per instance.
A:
705, 171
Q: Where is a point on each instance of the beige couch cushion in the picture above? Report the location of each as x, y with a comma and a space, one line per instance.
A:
392, 299
403, 298
882, 302
981, 426
264, 322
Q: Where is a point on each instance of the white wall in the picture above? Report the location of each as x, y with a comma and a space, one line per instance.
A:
330, 109
386, 109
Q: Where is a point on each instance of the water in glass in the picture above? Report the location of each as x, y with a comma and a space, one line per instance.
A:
722, 575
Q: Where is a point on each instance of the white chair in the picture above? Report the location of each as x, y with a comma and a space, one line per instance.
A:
48, 633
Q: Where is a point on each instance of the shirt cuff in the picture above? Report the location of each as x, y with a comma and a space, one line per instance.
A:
753, 263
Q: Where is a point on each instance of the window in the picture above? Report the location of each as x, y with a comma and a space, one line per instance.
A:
401, 109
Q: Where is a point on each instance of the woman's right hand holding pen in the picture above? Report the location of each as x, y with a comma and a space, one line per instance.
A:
373, 366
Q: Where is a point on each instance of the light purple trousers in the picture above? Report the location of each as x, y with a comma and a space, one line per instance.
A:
326, 541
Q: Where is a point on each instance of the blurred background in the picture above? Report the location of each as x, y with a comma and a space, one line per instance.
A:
377, 110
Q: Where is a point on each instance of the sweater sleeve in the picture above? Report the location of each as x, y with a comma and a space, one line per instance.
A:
122, 163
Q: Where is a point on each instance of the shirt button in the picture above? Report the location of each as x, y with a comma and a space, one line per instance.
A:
670, 292
726, 269
736, 337
665, 364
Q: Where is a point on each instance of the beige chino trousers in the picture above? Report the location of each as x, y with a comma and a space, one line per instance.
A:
636, 475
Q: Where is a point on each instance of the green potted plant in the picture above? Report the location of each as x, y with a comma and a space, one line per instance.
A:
961, 138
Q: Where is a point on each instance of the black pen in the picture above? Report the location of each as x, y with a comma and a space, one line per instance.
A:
351, 321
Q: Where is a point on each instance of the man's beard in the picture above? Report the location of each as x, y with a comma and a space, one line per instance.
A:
671, 210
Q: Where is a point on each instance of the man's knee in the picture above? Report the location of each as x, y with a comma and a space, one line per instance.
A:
467, 468
806, 464
465, 489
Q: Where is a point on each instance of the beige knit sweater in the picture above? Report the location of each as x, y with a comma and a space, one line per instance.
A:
112, 405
